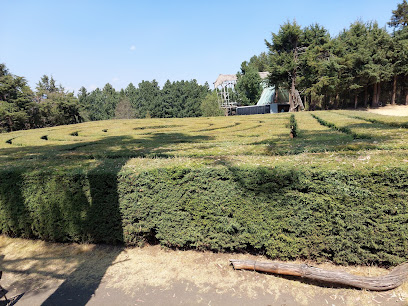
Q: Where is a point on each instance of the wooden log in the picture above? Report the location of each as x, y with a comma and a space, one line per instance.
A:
375, 283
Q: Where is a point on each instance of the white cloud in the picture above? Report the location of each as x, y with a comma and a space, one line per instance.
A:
132, 48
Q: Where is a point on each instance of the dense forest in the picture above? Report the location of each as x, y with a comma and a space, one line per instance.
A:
175, 99
363, 66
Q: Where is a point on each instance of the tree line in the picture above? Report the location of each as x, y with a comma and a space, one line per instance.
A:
23, 108
148, 100
363, 66
50, 104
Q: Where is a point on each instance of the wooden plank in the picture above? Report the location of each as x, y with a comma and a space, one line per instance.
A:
377, 283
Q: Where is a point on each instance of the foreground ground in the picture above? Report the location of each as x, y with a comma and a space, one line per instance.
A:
38, 273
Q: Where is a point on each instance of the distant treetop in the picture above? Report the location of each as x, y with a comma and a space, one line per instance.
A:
399, 18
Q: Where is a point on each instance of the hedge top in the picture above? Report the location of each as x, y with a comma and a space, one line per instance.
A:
350, 140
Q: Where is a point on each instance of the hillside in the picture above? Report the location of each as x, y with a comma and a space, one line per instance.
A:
336, 192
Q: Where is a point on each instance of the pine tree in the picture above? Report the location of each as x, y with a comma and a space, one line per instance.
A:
16, 101
249, 86
399, 18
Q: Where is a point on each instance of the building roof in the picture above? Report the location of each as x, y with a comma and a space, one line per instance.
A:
263, 74
233, 78
225, 78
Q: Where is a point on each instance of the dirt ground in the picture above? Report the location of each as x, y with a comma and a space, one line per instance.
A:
40, 273
391, 110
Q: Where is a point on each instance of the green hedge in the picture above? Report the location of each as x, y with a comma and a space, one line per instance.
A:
293, 126
286, 213
343, 129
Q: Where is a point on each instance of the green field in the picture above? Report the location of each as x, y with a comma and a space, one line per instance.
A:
338, 191
244, 138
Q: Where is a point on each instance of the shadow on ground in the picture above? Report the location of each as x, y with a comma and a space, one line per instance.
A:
76, 208
73, 291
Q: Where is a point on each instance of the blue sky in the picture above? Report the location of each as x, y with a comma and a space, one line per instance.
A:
91, 43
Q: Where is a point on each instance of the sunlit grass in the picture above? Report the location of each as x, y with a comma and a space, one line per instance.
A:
243, 138
396, 121
378, 135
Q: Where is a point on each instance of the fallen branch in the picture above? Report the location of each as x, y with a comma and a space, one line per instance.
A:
378, 283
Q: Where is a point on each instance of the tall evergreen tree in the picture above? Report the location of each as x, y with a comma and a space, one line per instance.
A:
56, 106
281, 54
399, 21
399, 18
400, 64
171, 100
249, 85
316, 40
283, 51
147, 101
131, 94
110, 100
210, 106
16, 101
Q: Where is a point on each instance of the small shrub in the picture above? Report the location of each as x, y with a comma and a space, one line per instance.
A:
293, 126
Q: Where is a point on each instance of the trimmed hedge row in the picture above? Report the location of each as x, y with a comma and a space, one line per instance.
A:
343, 129
286, 213
379, 121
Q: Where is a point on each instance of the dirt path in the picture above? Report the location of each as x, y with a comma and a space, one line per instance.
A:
391, 110
40, 273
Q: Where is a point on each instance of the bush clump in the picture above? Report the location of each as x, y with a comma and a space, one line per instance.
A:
293, 126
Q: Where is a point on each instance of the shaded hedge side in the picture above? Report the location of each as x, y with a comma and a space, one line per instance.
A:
348, 218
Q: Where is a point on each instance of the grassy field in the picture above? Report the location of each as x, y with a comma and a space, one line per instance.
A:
225, 183
241, 138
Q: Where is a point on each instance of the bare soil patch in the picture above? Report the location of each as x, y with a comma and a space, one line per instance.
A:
102, 275
391, 110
